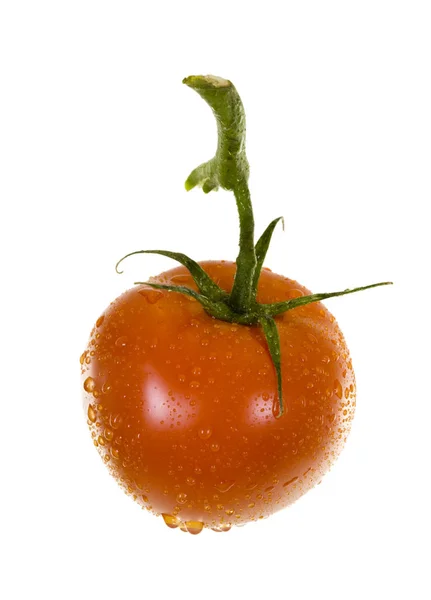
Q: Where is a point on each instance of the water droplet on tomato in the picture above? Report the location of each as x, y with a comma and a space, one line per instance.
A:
194, 527
290, 481
224, 485
338, 388
191, 481
171, 521
215, 447
109, 434
115, 421
251, 486
181, 498
251, 505
91, 414
121, 341
229, 511
222, 527
181, 279
205, 433
82, 357
89, 385
151, 296
276, 408
100, 320
106, 388
295, 293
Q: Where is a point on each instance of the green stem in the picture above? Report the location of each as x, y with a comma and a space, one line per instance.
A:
242, 289
229, 169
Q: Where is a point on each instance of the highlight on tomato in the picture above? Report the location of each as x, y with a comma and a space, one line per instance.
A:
219, 392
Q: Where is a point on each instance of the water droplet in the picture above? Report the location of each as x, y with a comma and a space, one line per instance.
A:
121, 341
151, 296
338, 388
197, 371
205, 342
82, 357
251, 486
145, 499
276, 408
194, 527
215, 447
295, 293
290, 481
205, 433
326, 359
100, 320
224, 485
222, 527
106, 458
106, 388
195, 384
171, 521
191, 481
229, 511
115, 453
101, 440
109, 434
115, 421
251, 505
181, 279
181, 498
91, 414
89, 385
198, 471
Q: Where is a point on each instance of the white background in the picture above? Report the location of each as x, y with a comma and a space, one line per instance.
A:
97, 135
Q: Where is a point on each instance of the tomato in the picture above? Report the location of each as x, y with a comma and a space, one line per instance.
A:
183, 407
218, 393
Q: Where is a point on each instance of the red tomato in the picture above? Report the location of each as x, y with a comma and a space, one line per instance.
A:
182, 407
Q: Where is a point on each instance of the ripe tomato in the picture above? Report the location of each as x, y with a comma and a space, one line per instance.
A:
183, 407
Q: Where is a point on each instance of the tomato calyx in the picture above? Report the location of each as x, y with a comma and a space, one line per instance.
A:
229, 169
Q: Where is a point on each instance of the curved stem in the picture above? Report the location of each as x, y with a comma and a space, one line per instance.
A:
229, 169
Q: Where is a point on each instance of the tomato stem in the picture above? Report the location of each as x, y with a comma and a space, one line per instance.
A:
229, 169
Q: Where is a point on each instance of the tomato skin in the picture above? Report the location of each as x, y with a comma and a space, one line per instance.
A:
182, 407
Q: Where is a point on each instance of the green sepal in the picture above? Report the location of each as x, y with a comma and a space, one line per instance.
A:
217, 309
261, 249
203, 281
273, 340
277, 308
